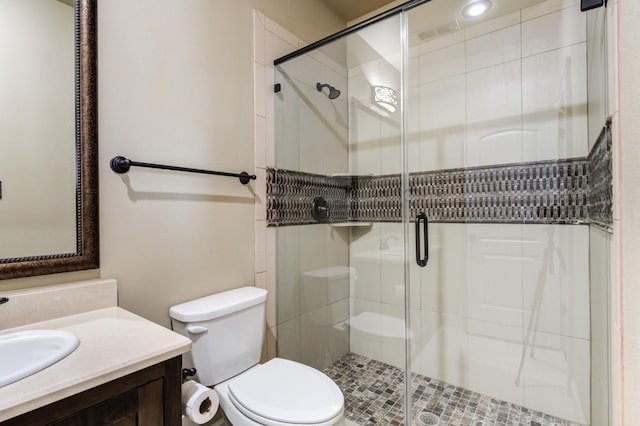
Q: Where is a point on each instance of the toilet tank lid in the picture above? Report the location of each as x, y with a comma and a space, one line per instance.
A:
218, 305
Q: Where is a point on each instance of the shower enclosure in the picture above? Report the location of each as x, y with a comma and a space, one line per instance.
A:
442, 198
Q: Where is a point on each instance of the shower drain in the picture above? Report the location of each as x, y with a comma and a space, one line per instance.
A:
428, 419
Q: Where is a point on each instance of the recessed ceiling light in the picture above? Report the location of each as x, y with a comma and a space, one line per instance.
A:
477, 8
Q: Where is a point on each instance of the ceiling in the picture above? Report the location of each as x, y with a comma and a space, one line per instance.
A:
382, 39
349, 10
446, 12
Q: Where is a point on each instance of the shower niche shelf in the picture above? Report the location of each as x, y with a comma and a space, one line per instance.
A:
351, 224
351, 180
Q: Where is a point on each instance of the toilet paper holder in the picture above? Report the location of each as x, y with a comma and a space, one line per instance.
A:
188, 372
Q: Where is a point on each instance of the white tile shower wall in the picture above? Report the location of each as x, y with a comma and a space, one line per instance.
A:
365, 259
365, 324
494, 48
374, 133
554, 30
313, 293
413, 125
486, 328
443, 283
493, 25
364, 127
494, 263
546, 7
542, 50
442, 63
596, 71
494, 360
555, 279
493, 124
315, 126
441, 109
565, 125
600, 242
556, 375
377, 293
287, 150
531, 276
441, 349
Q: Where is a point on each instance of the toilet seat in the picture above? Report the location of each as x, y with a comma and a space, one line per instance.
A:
284, 393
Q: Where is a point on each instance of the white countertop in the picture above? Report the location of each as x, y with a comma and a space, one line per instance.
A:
113, 343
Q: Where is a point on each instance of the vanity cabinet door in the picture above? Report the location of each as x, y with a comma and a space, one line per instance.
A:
149, 397
150, 404
138, 407
121, 410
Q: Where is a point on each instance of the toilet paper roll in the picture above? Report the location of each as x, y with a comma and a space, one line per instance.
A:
199, 403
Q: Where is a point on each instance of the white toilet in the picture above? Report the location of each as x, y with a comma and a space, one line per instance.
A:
227, 330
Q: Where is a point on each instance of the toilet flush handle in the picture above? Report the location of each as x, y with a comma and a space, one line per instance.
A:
196, 329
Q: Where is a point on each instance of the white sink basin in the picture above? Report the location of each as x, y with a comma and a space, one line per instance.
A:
23, 353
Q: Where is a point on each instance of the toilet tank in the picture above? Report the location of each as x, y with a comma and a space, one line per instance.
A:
226, 329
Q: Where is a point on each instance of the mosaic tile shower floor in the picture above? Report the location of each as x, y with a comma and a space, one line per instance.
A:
374, 394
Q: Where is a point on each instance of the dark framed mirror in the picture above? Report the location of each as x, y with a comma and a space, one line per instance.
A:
80, 188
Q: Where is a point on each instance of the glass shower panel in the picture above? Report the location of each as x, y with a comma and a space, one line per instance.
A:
336, 203
497, 146
313, 273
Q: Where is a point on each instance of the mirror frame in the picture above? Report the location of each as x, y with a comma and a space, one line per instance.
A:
86, 122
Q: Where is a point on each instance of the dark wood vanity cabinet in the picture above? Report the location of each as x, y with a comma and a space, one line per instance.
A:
149, 397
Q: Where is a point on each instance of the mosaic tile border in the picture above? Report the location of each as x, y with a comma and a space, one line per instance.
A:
541, 192
290, 197
568, 191
600, 169
374, 395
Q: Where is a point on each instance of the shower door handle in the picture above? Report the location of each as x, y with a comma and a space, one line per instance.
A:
422, 218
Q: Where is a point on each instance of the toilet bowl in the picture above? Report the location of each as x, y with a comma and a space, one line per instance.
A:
281, 393
227, 331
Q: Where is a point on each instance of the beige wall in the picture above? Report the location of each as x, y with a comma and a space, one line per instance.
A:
176, 86
629, 81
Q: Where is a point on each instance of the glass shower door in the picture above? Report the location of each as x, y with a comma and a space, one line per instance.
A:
497, 152
377, 251
436, 227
